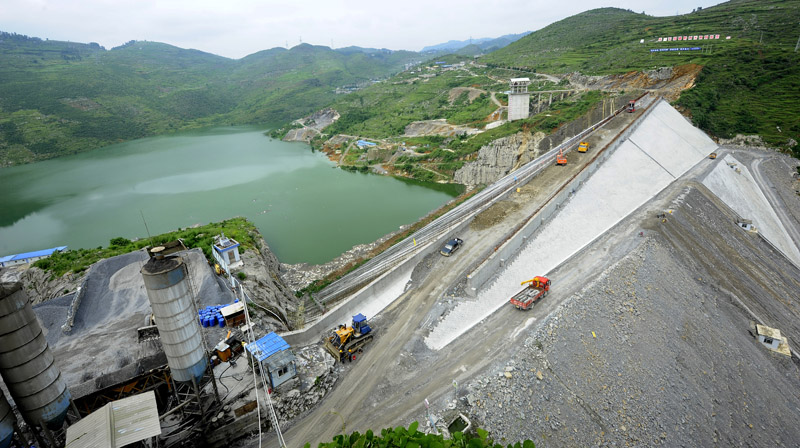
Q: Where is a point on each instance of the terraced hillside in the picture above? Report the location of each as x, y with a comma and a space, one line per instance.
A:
749, 82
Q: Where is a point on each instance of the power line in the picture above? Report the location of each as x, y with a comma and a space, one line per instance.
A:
250, 339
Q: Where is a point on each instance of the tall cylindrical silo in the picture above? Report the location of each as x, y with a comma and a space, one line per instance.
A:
167, 284
26, 362
6, 422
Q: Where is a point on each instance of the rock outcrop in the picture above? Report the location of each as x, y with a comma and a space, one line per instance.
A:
264, 285
666, 81
42, 285
312, 125
500, 157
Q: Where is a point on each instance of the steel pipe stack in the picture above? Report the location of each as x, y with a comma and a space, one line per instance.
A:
26, 362
168, 289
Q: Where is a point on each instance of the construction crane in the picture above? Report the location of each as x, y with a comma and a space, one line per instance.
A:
537, 289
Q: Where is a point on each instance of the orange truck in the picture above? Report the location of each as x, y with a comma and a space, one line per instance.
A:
537, 289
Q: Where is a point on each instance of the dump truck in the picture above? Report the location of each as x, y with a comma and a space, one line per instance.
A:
583, 147
344, 342
537, 289
632, 106
560, 159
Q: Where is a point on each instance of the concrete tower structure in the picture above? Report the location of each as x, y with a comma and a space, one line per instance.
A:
7, 422
519, 99
26, 362
167, 284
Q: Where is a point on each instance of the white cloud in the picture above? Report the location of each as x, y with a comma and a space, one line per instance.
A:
236, 28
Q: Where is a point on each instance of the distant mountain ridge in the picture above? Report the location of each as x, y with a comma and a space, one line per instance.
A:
484, 43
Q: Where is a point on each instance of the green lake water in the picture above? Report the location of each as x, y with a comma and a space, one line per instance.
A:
307, 210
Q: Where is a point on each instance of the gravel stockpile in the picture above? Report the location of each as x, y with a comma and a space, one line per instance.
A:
656, 351
115, 304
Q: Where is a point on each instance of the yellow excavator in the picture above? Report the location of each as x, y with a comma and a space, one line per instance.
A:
343, 342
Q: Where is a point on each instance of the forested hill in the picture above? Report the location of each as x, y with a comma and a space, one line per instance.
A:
60, 98
749, 84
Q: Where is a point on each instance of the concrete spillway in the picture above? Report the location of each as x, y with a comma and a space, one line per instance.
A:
663, 147
26, 362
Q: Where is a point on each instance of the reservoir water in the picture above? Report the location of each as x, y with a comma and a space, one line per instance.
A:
306, 210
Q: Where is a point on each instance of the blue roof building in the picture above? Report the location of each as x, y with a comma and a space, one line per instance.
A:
29, 257
363, 144
274, 355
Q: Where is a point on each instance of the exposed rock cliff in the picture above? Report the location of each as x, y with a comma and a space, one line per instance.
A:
504, 155
41, 285
500, 157
264, 285
312, 125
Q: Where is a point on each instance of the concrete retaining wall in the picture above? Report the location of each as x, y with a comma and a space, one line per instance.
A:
504, 253
372, 298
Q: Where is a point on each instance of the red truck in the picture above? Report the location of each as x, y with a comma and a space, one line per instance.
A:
537, 288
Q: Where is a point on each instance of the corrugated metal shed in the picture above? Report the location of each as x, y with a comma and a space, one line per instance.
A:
38, 253
117, 424
267, 346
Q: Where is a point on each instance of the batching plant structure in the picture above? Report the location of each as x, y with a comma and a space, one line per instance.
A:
171, 296
6, 422
27, 364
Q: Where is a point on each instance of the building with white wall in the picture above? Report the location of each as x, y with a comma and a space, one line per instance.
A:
226, 252
519, 99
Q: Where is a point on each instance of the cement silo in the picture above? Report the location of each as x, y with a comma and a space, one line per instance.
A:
26, 362
168, 288
6, 422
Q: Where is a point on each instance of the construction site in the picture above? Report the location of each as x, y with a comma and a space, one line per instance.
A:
623, 288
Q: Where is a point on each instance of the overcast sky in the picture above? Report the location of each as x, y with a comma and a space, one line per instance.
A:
236, 28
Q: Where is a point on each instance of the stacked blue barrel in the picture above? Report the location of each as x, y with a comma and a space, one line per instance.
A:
211, 316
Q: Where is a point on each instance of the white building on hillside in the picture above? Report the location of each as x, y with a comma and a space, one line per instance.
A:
519, 99
226, 252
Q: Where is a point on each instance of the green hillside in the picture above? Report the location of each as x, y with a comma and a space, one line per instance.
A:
60, 98
749, 83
